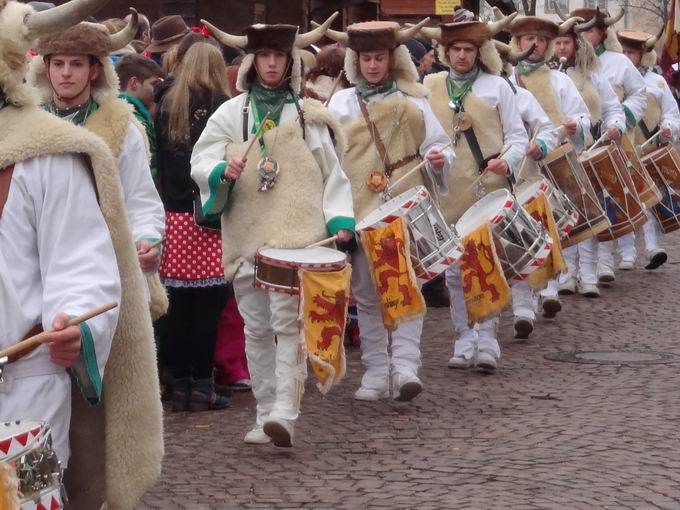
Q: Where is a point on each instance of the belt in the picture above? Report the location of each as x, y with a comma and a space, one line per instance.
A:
40, 365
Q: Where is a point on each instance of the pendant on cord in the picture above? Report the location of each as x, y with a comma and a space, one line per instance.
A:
269, 171
377, 181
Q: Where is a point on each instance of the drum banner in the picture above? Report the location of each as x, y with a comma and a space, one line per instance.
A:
323, 313
388, 252
554, 264
9, 487
486, 290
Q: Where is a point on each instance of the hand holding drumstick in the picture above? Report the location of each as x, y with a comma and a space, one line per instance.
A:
236, 166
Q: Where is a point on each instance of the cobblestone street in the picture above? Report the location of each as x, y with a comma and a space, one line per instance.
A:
538, 434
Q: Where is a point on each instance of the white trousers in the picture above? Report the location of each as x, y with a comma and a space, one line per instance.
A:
581, 262
374, 339
551, 290
524, 300
274, 348
482, 336
651, 232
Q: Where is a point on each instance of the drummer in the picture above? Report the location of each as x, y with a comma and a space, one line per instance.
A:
488, 121
556, 93
661, 114
630, 87
388, 101
288, 192
577, 58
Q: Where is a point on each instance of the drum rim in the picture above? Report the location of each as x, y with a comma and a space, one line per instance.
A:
340, 262
417, 195
495, 196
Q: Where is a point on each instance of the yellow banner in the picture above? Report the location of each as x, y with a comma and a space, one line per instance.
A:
554, 264
9, 487
324, 300
388, 252
445, 7
486, 290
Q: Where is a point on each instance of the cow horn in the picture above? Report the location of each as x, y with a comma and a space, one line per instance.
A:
651, 42
611, 20
309, 38
58, 19
582, 27
335, 35
126, 36
406, 33
238, 42
523, 55
432, 32
565, 26
496, 26
560, 12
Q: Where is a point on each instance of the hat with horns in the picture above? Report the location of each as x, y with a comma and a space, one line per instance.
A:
508, 54
591, 17
638, 41
532, 25
475, 32
375, 35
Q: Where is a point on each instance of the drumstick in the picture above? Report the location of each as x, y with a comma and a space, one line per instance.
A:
650, 140
598, 141
257, 135
416, 168
336, 82
35, 339
154, 244
323, 241
526, 156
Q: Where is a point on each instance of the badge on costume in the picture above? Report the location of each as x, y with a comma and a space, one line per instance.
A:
269, 171
377, 181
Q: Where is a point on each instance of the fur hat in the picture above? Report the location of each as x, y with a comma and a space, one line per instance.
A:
635, 40
599, 19
270, 37
375, 35
533, 25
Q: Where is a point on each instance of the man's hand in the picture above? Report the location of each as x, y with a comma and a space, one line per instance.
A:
436, 159
613, 133
235, 169
534, 151
570, 126
63, 344
497, 166
666, 133
148, 259
344, 236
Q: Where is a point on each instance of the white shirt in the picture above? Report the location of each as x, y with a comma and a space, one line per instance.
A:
612, 111
670, 115
621, 72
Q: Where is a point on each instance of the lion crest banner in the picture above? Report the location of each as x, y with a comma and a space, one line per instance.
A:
554, 264
388, 252
486, 290
9, 487
323, 308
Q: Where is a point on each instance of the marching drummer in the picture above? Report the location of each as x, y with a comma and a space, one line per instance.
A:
390, 127
661, 115
478, 109
288, 192
578, 60
556, 93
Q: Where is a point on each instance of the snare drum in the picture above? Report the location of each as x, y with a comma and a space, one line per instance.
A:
646, 188
27, 445
276, 269
522, 243
664, 166
566, 173
565, 214
608, 173
434, 245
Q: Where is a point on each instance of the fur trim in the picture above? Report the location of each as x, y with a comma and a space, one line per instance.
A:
648, 60
373, 36
549, 51
586, 58
533, 25
589, 94
159, 302
539, 84
242, 84
111, 122
402, 70
133, 431
611, 41
105, 88
244, 77
83, 38
321, 87
315, 112
488, 58
14, 43
270, 37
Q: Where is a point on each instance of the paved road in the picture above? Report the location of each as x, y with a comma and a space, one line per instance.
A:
538, 434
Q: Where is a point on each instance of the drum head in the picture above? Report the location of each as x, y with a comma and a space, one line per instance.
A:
302, 256
485, 209
394, 208
529, 190
18, 437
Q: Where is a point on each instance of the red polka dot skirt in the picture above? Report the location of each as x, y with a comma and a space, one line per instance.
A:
192, 256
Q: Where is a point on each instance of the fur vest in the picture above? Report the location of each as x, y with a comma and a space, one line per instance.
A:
402, 130
121, 441
290, 215
589, 94
652, 117
486, 121
539, 84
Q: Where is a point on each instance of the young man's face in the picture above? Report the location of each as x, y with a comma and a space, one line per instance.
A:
462, 56
143, 90
374, 65
527, 41
427, 61
271, 66
594, 36
71, 76
634, 56
565, 47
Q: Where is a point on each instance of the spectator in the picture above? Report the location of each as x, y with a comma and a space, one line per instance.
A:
144, 29
320, 80
166, 33
418, 52
191, 265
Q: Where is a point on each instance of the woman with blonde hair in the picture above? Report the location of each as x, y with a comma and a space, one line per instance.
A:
191, 266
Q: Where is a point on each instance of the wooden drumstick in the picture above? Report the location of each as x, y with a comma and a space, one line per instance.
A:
336, 82
650, 140
323, 241
598, 141
416, 168
526, 156
257, 135
35, 339
154, 244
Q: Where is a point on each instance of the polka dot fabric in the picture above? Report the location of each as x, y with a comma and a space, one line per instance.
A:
190, 253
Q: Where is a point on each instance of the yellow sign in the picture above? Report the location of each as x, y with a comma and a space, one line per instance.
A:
445, 7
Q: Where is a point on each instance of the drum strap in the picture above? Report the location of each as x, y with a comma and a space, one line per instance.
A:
35, 330
645, 130
5, 181
473, 143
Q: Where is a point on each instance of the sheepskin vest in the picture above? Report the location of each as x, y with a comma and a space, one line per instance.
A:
290, 215
589, 94
402, 130
539, 84
120, 442
486, 121
110, 122
652, 117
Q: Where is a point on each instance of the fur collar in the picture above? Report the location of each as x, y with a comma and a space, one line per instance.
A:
648, 60
489, 59
243, 85
13, 45
611, 42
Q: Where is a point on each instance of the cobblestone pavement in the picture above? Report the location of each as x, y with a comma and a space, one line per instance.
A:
538, 434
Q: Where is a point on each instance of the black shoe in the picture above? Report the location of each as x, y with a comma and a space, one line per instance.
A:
656, 259
204, 398
180, 394
523, 327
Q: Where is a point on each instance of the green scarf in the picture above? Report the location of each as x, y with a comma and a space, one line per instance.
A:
269, 99
367, 90
458, 85
600, 49
143, 115
526, 67
76, 115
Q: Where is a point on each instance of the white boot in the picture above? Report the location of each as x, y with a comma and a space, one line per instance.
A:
280, 431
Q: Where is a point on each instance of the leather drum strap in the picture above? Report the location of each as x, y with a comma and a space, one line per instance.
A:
5, 181
35, 330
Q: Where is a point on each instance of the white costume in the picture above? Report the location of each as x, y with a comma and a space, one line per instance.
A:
54, 258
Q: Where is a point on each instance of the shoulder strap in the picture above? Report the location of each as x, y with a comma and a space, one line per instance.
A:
5, 181
375, 135
512, 85
246, 111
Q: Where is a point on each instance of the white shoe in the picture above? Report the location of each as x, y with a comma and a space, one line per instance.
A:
588, 290
370, 394
656, 258
460, 362
280, 431
256, 435
627, 265
568, 288
486, 361
406, 387
605, 276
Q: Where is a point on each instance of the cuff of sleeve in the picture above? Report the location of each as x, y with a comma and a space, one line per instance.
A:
86, 370
631, 121
339, 223
215, 183
543, 146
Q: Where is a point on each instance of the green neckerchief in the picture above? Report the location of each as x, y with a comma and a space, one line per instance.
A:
265, 99
367, 90
526, 67
458, 85
600, 49
76, 115
143, 115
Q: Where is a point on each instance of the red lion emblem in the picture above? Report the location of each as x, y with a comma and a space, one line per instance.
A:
333, 311
392, 248
471, 267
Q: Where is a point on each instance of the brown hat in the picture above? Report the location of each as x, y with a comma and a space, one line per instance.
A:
533, 25
166, 32
635, 40
595, 17
375, 35
475, 32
